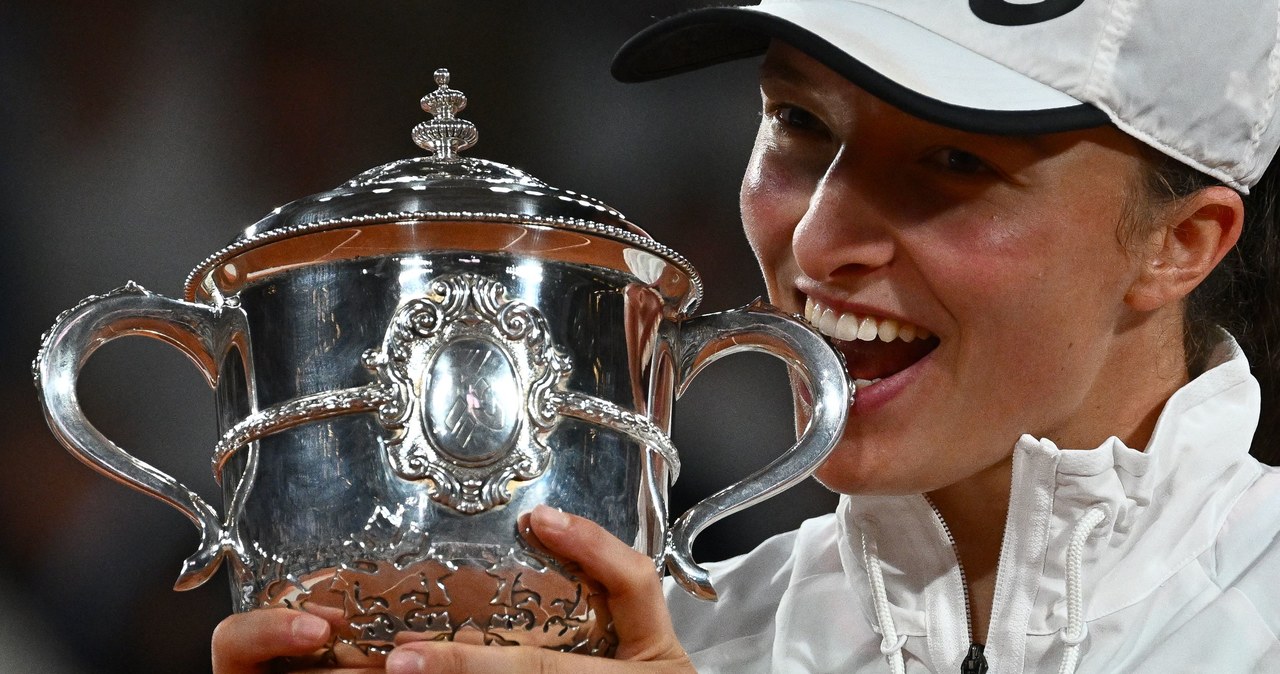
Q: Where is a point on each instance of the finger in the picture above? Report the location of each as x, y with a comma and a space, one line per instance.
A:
639, 610
436, 657
246, 643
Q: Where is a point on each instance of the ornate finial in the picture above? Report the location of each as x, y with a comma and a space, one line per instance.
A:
445, 135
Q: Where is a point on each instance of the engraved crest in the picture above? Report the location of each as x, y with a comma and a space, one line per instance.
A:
472, 376
469, 401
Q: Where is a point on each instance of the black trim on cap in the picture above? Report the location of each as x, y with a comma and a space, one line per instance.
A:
712, 35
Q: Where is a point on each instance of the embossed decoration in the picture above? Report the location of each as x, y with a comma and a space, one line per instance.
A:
296, 412
503, 599
471, 376
477, 383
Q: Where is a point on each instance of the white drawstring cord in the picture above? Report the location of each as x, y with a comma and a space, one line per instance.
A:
891, 642
1075, 631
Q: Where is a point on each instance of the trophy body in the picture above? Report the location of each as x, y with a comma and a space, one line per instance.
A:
407, 364
413, 525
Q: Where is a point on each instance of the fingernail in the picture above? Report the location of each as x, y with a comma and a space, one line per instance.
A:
309, 629
551, 519
402, 661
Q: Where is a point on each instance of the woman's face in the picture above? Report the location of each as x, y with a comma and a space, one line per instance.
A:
978, 281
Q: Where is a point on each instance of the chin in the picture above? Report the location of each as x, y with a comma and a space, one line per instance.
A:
848, 471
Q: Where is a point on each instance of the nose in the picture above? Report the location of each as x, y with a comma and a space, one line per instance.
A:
844, 232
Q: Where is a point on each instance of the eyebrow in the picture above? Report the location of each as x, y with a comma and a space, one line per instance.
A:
781, 69
774, 69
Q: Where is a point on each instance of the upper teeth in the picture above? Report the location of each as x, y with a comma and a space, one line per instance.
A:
850, 326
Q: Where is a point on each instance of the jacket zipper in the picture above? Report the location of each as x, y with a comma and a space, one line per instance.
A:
975, 662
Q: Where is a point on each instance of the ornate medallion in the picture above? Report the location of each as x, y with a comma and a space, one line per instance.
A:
470, 375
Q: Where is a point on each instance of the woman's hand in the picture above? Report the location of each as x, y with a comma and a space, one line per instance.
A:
646, 639
254, 642
265, 640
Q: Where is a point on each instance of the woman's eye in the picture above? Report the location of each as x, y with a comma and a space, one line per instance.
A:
959, 161
797, 118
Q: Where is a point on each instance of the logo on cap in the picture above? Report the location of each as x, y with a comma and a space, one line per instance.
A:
1003, 13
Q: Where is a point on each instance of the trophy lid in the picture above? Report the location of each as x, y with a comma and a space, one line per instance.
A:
440, 187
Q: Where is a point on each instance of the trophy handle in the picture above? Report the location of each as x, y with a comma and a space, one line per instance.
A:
764, 328
195, 329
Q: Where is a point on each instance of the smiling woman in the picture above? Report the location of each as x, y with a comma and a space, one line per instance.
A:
1034, 260
1012, 185
1014, 266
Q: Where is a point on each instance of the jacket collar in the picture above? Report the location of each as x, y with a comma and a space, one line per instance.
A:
1164, 506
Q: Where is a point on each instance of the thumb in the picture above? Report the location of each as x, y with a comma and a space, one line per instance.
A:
634, 588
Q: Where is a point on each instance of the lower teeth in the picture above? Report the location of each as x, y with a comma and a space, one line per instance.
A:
859, 383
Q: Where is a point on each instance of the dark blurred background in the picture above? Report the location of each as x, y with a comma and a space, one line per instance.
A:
139, 136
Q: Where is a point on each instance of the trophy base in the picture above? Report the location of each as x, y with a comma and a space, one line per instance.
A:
375, 605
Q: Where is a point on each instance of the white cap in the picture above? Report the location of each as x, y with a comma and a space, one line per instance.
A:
1195, 79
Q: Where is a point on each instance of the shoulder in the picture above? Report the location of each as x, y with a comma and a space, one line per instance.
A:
1227, 596
1246, 555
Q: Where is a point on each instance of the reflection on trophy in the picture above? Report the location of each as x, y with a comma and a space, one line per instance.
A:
406, 364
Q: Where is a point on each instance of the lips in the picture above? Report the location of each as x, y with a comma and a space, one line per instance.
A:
874, 347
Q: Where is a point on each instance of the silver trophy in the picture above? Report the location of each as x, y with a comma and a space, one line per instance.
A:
406, 364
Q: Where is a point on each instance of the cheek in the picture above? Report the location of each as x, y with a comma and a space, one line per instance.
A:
1044, 293
773, 201
1031, 263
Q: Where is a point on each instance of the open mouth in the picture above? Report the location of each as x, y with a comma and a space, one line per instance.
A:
874, 348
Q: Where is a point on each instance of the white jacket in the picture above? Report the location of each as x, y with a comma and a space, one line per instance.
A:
1178, 565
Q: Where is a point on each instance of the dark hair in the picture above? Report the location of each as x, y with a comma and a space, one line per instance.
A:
1241, 295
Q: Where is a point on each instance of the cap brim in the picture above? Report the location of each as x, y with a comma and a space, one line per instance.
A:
895, 60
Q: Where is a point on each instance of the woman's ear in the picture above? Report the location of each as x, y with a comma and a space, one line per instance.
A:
1195, 233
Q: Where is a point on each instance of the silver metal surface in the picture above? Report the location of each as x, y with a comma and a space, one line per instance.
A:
444, 187
394, 392
764, 328
205, 334
444, 135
